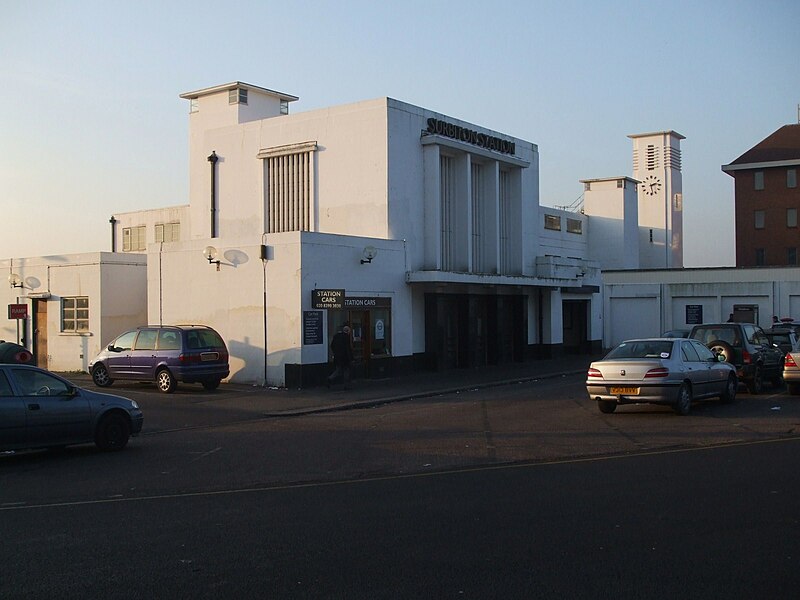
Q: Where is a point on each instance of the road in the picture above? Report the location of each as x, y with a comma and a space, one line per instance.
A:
522, 491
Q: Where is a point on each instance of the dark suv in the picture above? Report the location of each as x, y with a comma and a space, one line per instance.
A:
166, 355
745, 346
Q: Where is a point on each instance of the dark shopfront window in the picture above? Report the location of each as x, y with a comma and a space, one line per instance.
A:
370, 331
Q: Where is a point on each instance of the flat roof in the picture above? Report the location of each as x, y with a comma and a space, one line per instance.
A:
651, 134
236, 85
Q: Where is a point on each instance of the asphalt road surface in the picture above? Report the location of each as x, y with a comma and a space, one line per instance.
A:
517, 492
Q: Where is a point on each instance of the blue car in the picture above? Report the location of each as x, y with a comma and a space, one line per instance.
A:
39, 409
165, 355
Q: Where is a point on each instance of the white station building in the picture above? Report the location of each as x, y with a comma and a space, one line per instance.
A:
421, 231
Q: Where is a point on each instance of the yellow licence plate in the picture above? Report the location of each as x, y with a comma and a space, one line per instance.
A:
625, 391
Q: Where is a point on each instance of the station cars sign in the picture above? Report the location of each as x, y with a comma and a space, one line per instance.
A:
332, 299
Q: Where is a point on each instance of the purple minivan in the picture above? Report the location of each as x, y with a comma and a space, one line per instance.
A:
164, 354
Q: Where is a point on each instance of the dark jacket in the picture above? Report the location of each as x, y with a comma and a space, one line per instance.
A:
340, 346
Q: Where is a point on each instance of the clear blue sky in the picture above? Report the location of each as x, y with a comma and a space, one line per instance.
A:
91, 123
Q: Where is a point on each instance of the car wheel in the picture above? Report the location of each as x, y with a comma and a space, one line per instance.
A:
756, 384
112, 432
793, 389
211, 385
165, 381
607, 406
683, 404
728, 395
718, 347
101, 377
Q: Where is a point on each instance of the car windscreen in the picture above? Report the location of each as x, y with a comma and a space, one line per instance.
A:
642, 349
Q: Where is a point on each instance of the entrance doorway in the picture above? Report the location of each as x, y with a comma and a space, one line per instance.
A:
370, 338
575, 315
40, 332
473, 330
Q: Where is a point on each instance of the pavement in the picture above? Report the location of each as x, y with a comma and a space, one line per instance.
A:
364, 393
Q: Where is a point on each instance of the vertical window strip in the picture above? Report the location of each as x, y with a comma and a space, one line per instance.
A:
504, 224
446, 192
477, 220
289, 191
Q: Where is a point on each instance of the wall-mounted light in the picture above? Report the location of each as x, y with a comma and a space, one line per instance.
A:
211, 254
368, 254
16, 281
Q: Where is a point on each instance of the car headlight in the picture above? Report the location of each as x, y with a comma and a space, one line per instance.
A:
134, 404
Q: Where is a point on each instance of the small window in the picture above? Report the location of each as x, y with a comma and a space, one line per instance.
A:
621, 184
760, 257
574, 226
134, 239
75, 314
194, 105
587, 186
758, 177
552, 222
791, 256
758, 219
791, 217
237, 96
791, 178
168, 232
284, 107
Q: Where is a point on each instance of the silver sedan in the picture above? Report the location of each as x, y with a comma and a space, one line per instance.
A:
41, 410
672, 372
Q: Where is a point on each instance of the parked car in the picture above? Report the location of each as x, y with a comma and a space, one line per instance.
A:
791, 373
676, 333
745, 346
39, 409
783, 338
11, 353
669, 371
165, 355
791, 325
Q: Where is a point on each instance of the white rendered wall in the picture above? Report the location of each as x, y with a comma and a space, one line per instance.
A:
187, 289
647, 303
613, 230
350, 170
149, 219
115, 285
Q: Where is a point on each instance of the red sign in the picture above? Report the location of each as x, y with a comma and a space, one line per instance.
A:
17, 311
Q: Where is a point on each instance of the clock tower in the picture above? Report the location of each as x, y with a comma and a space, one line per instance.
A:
657, 167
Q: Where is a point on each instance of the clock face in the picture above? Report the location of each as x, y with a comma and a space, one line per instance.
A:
651, 185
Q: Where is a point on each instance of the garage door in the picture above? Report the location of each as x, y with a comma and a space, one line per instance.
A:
633, 318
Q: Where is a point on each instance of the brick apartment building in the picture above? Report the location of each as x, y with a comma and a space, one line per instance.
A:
767, 200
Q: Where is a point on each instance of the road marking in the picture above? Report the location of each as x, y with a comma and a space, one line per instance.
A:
322, 484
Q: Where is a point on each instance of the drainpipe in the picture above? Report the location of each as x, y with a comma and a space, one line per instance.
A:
113, 222
213, 160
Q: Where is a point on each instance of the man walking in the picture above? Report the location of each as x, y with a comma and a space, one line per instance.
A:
342, 357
